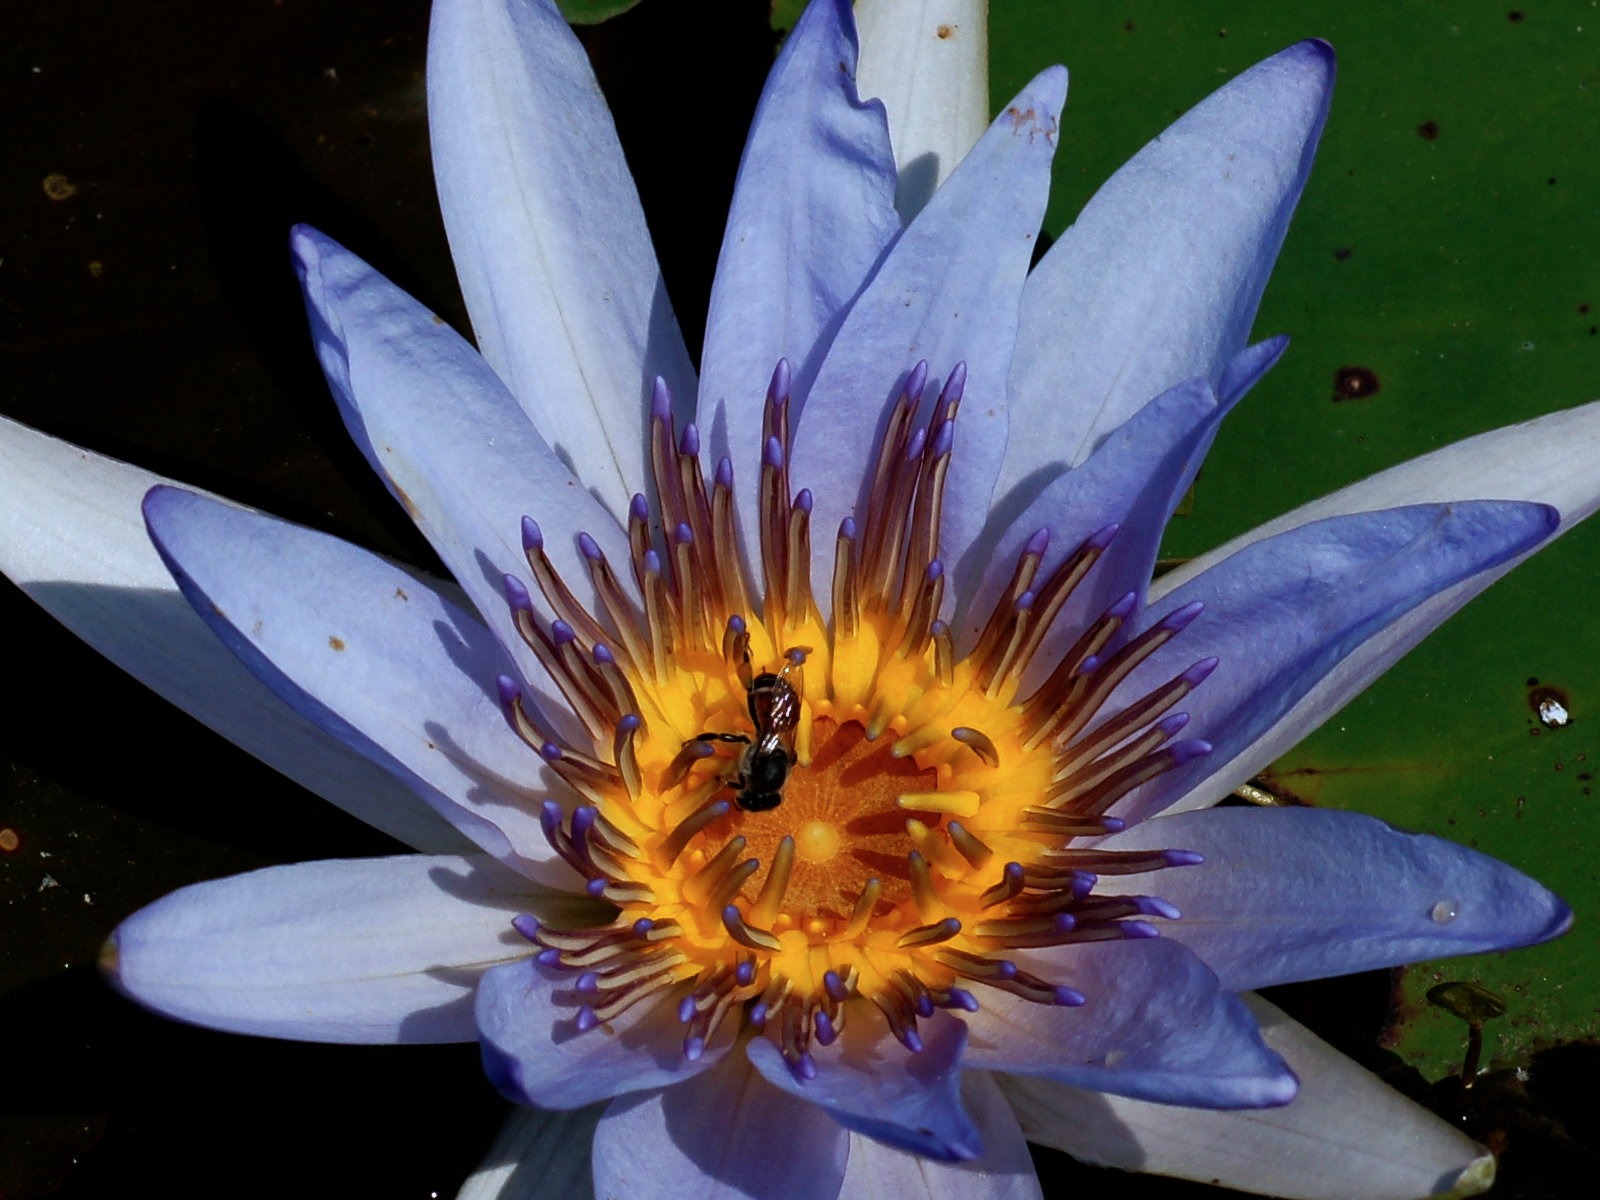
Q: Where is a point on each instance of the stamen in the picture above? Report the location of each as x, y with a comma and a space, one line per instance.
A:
979, 743
746, 934
767, 904
989, 771
862, 913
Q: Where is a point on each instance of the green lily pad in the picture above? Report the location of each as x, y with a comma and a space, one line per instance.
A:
592, 12
1442, 277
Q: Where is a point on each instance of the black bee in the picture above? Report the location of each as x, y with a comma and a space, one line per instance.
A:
774, 701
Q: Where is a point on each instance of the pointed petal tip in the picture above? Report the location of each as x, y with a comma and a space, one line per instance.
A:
1475, 1180
1046, 90
109, 960
1316, 53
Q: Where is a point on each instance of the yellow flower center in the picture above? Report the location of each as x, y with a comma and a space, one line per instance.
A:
792, 814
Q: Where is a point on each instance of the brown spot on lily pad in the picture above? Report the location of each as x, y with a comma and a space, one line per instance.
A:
1428, 131
1355, 383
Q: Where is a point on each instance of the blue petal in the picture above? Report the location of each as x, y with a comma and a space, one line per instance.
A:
872, 1084
534, 1052
367, 950
1158, 279
813, 210
1003, 1172
1156, 1025
550, 243
1292, 893
946, 293
73, 539
440, 428
1135, 480
723, 1135
1283, 612
367, 652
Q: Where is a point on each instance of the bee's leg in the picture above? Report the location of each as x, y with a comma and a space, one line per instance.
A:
719, 737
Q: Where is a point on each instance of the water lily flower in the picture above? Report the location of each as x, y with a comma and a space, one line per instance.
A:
812, 792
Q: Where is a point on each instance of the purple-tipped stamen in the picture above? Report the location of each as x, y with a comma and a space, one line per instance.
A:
689, 441
1180, 619
1155, 906
956, 385
1189, 750
516, 594
532, 535
1138, 930
835, 987
778, 386
660, 400
589, 548
916, 381
1103, 537
803, 500
1183, 858
527, 925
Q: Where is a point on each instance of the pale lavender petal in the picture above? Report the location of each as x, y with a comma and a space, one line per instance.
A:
1155, 1025
359, 950
813, 210
1288, 894
550, 243
1345, 1134
1282, 613
370, 653
72, 537
872, 1084
1003, 1172
440, 428
538, 1154
928, 61
1554, 459
1158, 279
723, 1135
945, 294
535, 1052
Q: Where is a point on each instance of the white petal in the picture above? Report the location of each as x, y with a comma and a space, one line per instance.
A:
928, 61
1003, 1172
536, 1155
1553, 459
549, 240
73, 539
1345, 1134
